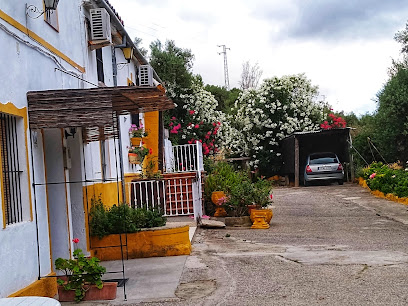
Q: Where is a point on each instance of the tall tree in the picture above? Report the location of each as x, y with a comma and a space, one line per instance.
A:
402, 38
392, 116
226, 98
173, 64
138, 41
250, 75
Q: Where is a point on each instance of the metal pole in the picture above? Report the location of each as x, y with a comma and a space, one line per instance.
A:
35, 207
296, 162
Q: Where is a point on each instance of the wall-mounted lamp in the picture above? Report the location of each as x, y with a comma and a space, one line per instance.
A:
128, 53
33, 12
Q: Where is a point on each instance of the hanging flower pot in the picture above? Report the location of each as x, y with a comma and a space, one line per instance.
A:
137, 154
133, 158
136, 141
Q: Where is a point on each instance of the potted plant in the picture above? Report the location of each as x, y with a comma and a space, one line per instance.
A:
220, 199
219, 183
136, 134
137, 154
262, 197
83, 279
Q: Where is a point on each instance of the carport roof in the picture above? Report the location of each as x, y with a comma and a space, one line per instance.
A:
331, 131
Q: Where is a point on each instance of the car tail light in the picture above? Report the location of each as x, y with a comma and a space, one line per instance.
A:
340, 167
308, 169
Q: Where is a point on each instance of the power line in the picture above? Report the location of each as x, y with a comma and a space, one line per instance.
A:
224, 51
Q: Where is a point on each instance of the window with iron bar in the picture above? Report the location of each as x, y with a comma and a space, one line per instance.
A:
11, 175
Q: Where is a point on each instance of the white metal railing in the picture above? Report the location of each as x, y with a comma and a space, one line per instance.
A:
148, 194
183, 158
176, 196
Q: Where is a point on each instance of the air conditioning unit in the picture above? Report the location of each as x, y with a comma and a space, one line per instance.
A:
100, 28
145, 75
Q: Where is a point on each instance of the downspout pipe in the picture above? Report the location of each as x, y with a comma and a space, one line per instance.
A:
129, 42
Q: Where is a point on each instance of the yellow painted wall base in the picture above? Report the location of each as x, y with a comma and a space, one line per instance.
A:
108, 191
380, 194
152, 142
46, 287
147, 243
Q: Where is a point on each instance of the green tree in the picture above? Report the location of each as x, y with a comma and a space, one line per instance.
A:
402, 38
138, 41
364, 127
392, 116
173, 64
226, 98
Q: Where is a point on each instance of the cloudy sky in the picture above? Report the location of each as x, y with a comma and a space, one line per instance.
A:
344, 47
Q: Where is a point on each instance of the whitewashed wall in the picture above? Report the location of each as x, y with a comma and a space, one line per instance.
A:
26, 66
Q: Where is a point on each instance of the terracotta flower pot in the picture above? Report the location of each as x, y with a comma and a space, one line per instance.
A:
108, 292
133, 158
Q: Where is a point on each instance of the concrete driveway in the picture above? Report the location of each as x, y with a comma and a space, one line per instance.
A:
327, 245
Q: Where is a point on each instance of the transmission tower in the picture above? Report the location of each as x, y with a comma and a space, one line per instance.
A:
224, 51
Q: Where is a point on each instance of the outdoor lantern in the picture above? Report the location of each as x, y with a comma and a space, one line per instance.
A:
50, 4
34, 12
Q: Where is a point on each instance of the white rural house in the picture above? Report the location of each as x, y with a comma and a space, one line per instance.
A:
70, 79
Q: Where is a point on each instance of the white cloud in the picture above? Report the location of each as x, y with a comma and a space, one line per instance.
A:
348, 59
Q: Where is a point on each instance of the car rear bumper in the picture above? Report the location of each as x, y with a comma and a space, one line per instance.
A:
324, 176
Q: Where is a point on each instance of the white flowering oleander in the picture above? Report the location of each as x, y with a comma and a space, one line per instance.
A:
280, 107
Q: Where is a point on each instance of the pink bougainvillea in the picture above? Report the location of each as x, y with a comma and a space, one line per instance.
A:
194, 129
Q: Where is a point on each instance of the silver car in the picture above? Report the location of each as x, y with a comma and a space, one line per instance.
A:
323, 166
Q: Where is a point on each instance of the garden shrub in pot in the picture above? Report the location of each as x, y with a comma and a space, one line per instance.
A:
80, 273
121, 219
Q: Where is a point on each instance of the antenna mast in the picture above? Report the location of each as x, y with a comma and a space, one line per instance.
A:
224, 51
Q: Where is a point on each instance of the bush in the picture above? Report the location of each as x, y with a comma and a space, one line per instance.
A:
223, 177
387, 179
238, 187
121, 219
248, 193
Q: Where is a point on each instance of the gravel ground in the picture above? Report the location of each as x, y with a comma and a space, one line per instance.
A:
327, 245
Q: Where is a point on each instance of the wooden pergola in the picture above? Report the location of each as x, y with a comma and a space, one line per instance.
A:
93, 109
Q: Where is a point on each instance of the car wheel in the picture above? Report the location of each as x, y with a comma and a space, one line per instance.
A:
340, 182
305, 183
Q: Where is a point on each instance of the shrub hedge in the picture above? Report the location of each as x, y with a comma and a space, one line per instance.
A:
121, 219
391, 179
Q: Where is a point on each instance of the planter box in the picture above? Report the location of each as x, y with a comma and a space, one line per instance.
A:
244, 221
155, 242
108, 292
